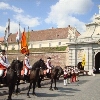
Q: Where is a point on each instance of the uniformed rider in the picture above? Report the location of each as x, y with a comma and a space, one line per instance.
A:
4, 63
27, 66
49, 66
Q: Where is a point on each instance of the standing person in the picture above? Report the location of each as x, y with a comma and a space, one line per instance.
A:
69, 75
4, 63
27, 66
77, 73
49, 66
65, 75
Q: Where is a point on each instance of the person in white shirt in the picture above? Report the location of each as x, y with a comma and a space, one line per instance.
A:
65, 75
49, 66
4, 63
27, 65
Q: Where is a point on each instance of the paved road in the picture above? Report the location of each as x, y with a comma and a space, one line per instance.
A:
88, 89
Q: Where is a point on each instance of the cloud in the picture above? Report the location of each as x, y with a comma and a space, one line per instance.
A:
2, 29
27, 20
64, 13
5, 13
38, 3
5, 6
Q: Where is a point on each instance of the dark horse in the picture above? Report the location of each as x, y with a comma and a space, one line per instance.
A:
12, 75
56, 72
34, 74
80, 66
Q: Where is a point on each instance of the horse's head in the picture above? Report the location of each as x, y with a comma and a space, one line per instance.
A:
42, 64
60, 72
39, 64
17, 65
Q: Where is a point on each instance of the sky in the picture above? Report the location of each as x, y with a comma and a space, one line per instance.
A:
45, 14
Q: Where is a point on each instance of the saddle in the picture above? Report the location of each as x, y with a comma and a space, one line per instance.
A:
23, 71
4, 73
4, 70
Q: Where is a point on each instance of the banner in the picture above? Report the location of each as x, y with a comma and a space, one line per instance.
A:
24, 45
18, 36
83, 60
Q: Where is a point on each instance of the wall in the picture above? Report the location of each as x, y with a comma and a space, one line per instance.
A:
58, 58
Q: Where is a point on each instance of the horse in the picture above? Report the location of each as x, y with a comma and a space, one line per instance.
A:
34, 74
56, 72
80, 66
13, 73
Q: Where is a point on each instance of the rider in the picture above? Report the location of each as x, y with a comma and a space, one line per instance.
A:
49, 66
27, 65
4, 63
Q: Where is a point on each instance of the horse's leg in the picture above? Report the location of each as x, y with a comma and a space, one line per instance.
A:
29, 89
34, 83
39, 82
55, 85
11, 86
51, 84
17, 89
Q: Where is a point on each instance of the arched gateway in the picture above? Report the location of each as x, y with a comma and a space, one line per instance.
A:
97, 61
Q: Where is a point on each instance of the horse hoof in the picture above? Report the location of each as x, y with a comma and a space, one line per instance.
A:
51, 89
55, 88
39, 86
28, 96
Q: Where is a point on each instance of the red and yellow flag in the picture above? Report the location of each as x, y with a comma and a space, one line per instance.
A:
24, 45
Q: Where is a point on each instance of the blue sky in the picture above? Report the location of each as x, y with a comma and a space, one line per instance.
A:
45, 14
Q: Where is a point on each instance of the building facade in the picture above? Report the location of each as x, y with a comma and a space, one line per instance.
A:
46, 38
87, 44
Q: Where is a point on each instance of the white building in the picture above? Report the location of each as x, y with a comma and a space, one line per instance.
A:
46, 38
87, 43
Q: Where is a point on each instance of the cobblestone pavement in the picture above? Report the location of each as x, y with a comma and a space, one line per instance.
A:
88, 89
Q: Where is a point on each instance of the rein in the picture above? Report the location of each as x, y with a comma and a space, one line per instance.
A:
13, 70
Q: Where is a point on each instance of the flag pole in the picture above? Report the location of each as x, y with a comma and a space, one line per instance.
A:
18, 39
19, 36
7, 34
7, 40
28, 37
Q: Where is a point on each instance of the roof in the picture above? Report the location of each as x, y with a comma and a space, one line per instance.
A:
1, 39
49, 34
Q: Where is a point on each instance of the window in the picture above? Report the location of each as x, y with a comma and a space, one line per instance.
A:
59, 43
13, 47
39, 45
31, 45
49, 44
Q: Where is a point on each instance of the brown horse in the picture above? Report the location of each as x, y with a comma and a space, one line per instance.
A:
34, 74
56, 72
12, 75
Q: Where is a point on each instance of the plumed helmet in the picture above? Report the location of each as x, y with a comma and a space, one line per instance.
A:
3, 50
49, 58
27, 54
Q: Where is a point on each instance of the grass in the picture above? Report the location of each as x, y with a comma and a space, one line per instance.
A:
43, 49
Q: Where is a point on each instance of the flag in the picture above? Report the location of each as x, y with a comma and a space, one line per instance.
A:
18, 34
24, 45
7, 32
6, 36
83, 60
8, 27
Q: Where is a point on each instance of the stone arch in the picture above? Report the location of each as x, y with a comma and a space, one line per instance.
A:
97, 61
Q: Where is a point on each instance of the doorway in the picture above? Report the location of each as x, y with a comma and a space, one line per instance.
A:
97, 62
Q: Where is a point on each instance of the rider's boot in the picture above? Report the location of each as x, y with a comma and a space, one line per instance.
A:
25, 78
